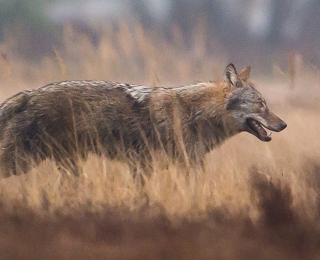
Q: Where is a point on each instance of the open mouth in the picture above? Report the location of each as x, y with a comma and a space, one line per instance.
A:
256, 128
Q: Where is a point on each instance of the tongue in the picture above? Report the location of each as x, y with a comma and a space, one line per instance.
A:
265, 138
262, 134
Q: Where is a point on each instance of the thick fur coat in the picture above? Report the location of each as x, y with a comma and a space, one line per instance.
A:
67, 120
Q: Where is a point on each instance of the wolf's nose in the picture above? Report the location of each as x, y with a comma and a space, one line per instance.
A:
282, 126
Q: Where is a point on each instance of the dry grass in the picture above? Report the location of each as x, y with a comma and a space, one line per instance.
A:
254, 201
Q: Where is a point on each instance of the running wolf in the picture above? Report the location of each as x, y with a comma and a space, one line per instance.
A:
68, 120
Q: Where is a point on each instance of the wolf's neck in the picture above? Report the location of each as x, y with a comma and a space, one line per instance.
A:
202, 101
204, 105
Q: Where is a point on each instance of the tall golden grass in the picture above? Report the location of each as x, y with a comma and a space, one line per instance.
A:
247, 189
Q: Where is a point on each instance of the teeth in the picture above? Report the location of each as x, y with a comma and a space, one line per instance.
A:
257, 124
269, 134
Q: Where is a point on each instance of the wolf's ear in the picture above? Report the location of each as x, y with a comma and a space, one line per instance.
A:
230, 76
245, 73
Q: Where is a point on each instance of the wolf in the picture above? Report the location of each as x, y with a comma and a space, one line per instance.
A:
65, 121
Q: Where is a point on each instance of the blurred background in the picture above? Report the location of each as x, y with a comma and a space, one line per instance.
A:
256, 200
256, 32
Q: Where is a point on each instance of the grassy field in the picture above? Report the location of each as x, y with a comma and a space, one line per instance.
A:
255, 200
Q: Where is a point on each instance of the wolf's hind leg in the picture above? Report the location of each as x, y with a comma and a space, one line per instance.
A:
13, 162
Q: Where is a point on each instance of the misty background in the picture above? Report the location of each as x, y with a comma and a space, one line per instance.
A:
255, 32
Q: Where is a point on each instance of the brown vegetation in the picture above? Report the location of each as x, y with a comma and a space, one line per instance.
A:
255, 200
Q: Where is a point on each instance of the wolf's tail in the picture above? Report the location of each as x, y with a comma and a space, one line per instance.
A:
11, 107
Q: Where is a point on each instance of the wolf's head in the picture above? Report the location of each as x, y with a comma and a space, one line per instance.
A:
247, 106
